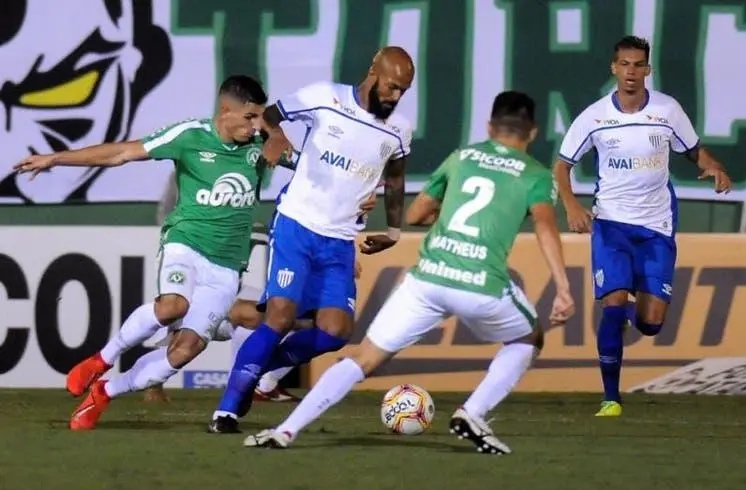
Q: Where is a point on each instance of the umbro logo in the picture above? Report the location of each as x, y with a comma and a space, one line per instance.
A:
207, 156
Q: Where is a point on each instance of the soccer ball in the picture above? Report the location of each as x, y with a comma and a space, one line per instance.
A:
407, 409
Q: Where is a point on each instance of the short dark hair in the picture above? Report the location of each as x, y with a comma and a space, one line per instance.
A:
633, 42
513, 112
244, 89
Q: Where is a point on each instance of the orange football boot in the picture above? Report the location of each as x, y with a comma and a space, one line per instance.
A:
85, 373
87, 414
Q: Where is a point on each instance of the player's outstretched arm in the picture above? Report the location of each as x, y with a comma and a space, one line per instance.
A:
545, 227
104, 155
578, 218
423, 211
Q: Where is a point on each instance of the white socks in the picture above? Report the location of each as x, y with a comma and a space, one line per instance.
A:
270, 380
331, 387
506, 369
240, 335
151, 369
139, 327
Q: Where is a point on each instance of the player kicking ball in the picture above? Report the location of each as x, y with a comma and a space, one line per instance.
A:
204, 246
354, 139
477, 199
633, 223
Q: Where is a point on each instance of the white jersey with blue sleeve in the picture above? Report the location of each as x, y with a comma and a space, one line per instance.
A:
632, 158
342, 159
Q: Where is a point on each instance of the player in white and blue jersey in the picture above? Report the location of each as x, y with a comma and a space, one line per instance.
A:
634, 217
354, 139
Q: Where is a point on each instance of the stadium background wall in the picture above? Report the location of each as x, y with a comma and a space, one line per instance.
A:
699, 56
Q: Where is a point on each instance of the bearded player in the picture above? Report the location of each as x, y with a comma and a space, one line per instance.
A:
354, 138
633, 223
478, 199
204, 246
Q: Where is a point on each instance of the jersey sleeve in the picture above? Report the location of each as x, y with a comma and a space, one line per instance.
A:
403, 130
167, 143
543, 191
301, 105
684, 136
577, 141
438, 181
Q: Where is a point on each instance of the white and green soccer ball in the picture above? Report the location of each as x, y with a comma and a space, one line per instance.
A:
407, 409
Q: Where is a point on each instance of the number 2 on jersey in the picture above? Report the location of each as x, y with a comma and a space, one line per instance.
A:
483, 190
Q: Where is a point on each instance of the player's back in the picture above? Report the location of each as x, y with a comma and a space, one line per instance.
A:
486, 190
342, 159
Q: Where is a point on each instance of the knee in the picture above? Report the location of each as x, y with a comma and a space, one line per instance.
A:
535, 338
184, 347
335, 322
648, 328
244, 314
280, 314
170, 308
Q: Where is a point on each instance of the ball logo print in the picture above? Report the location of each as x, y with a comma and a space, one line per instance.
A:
407, 409
231, 189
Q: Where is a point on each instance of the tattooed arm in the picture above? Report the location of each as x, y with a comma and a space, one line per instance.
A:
394, 201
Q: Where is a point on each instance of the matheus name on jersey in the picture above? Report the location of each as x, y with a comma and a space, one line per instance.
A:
486, 190
217, 187
632, 157
342, 159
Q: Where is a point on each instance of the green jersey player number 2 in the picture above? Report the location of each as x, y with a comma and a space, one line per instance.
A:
486, 192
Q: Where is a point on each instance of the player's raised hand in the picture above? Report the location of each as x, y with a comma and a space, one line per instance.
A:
376, 243
723, 183
275, 147
35, 164
563, 308
579, 219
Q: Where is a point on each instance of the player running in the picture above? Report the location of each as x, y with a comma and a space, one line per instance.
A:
634, 218
244, 317
204, 242
478, 199
354, 138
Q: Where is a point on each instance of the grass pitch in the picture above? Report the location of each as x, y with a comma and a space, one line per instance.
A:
671, 442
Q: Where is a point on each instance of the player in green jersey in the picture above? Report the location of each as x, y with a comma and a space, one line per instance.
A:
476, 202
204, 244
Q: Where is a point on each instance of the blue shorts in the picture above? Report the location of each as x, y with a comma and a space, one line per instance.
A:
632, 258
312, 270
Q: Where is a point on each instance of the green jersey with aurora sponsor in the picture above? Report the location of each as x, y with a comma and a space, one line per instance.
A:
217, 189
486, 190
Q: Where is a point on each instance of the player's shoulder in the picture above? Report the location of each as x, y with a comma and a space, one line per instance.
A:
662, 102
400, 124
183, 127
597, 110
325, 92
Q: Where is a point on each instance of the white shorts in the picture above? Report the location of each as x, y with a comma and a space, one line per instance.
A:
254, 278
209, 288
416, 307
